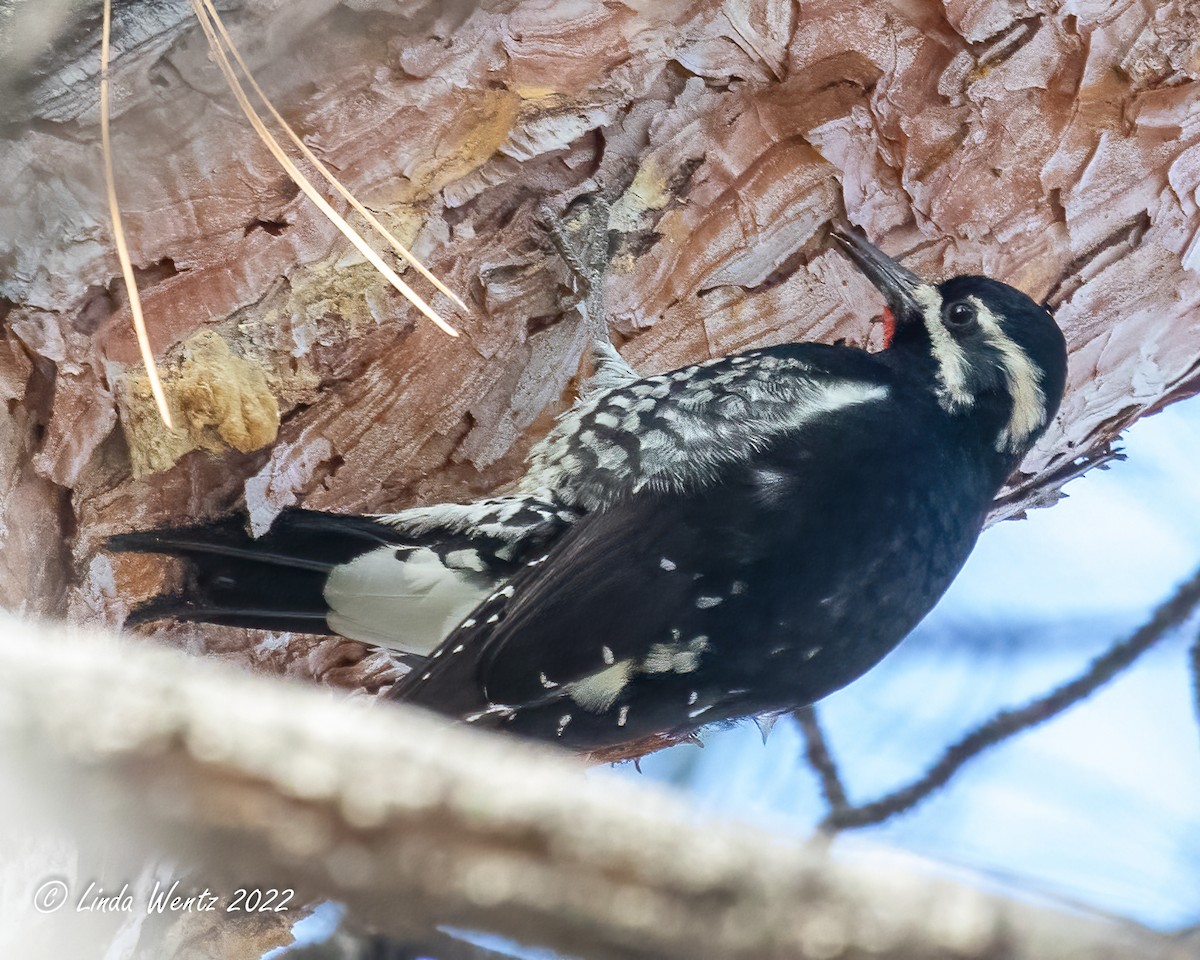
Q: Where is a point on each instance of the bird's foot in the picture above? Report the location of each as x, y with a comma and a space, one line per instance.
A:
584, 241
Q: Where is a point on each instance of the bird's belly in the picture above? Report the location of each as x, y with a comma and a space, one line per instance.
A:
838, 611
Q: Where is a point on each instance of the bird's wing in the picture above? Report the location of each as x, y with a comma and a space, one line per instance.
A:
615, 626
610, 629
678, 431
675, 432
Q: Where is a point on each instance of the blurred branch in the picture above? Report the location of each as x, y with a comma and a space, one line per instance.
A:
1008, 723
1195, 664
440, 947
412, 824
820, 758
349, 944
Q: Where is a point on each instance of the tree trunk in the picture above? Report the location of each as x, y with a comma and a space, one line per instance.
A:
1055, 149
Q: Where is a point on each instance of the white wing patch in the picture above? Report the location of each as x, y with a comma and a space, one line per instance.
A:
409, 604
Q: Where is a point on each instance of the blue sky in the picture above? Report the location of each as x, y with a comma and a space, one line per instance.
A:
1115, 545
1100, 806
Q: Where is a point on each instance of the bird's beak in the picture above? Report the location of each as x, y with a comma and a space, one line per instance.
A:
899, 286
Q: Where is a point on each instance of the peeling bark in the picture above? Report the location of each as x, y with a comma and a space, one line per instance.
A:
1058, 150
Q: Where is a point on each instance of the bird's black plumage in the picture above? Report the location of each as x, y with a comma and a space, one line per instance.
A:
738, 537
270, 583
784, 579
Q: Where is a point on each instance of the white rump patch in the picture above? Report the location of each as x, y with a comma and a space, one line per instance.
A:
406, 605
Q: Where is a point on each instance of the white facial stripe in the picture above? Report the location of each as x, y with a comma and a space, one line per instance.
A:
951, 358
1024, 384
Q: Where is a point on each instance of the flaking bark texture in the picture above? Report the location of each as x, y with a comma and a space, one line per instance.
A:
1057, 148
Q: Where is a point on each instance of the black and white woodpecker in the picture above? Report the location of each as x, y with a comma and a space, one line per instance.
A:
734, 538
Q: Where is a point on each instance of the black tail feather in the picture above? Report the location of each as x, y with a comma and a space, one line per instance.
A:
274, 582
179, 607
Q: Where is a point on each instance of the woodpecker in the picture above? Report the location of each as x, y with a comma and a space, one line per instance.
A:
731, 539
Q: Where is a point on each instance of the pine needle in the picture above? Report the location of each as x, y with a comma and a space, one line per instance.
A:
333, 181
114, 210
203, 9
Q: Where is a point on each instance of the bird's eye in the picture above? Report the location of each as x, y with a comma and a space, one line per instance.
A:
960, 315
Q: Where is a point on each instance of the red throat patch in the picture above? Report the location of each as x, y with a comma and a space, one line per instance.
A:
889, 327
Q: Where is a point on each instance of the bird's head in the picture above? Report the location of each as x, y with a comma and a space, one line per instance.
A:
991, 346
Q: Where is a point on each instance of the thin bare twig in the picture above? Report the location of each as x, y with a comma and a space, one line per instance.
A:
587, 256
203, 9
1046, 489
1008, 723
820, 758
